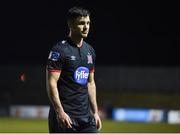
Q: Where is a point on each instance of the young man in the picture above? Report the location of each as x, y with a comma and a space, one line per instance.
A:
70, 79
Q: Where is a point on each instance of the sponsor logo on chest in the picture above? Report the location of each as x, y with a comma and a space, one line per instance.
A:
81, 75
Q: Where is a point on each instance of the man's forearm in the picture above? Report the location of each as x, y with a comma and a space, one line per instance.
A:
52, 91
92, 96
55, 100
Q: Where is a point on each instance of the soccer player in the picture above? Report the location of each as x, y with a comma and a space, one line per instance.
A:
70, 79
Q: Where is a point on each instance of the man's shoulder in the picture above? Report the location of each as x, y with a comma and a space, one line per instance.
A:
60, 45
88, 45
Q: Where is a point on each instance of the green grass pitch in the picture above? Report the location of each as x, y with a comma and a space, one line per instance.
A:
9, 125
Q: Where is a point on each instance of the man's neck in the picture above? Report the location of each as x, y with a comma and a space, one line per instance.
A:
77, 40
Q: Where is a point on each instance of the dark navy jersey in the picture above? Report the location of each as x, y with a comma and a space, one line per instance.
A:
75, 64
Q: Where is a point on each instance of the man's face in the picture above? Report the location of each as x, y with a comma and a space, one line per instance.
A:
80, 26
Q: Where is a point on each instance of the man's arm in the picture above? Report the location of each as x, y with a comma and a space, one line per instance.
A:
53, 94
92, 96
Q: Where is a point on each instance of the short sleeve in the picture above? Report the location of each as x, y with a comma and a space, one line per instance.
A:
93, 55
93, 58
55, 60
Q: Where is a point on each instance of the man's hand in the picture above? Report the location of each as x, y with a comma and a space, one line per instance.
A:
98, 121
64, 120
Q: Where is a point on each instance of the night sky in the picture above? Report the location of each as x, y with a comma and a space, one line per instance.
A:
127, 33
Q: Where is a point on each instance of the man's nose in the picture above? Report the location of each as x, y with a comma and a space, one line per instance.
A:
86, 26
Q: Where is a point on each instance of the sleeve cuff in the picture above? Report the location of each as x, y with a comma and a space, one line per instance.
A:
53, 70
92, 70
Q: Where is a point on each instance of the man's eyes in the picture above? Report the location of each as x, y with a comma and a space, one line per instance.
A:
83, 23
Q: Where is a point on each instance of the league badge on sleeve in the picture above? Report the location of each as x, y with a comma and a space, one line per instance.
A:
54, 56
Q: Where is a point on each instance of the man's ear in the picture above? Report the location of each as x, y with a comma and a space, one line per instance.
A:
70, 24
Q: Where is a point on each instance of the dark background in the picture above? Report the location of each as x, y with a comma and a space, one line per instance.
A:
136, 43
128, 33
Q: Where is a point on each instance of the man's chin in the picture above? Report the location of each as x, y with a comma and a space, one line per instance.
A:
84, 35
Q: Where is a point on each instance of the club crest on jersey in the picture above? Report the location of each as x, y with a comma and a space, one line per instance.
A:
81, 75
89, 58
54, 56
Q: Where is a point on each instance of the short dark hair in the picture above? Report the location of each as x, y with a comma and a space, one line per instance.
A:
76, 12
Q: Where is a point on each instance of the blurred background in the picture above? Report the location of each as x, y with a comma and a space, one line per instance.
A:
137, 66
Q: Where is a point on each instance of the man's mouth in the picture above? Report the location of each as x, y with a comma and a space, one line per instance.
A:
84, 32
